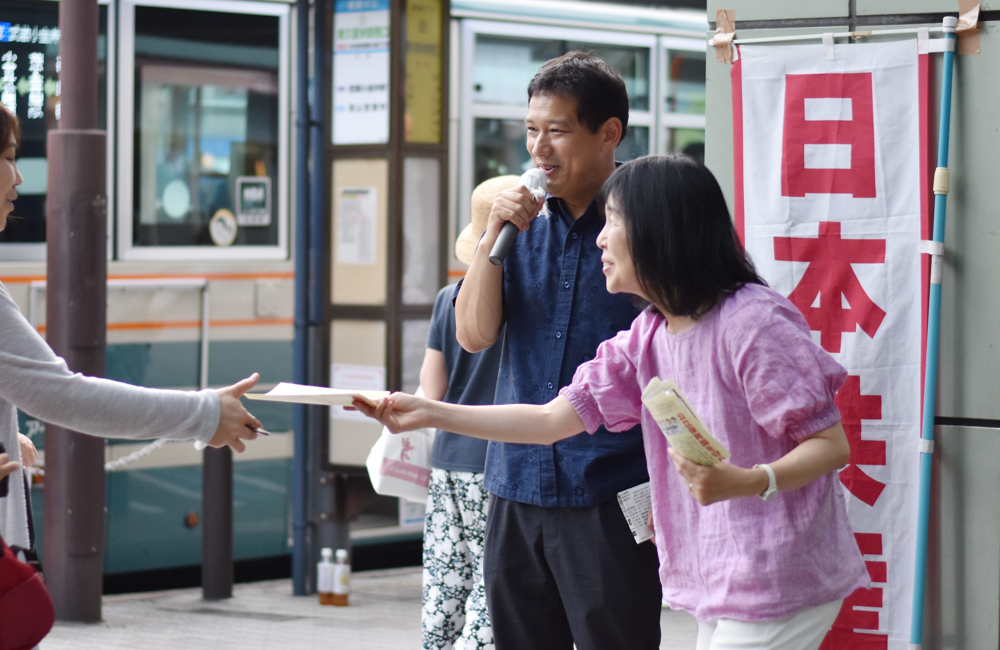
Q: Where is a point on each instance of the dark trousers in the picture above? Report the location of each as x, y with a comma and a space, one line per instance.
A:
559, 576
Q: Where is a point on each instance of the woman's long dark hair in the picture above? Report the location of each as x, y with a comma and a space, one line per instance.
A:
684, 248
9, 125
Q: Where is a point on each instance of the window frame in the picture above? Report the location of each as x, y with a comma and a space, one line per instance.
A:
665, 119
125, 154
38, 252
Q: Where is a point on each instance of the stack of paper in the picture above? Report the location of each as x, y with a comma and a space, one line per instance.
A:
299, 394
680, 424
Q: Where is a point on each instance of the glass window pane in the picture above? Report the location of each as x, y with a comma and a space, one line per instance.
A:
421, 229
634, 144
690, 142
206, 151
685, 84
29, 49
500, 147
414, 345
504, 65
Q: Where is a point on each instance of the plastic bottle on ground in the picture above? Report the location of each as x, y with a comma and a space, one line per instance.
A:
324, 577
341, 579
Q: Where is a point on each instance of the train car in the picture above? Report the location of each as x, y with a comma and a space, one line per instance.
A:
197, 98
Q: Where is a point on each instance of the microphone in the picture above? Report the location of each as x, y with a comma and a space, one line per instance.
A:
534, 179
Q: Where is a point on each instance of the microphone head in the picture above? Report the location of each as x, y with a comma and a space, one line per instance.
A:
535, 180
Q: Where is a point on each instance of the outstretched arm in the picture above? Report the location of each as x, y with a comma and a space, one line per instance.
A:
816, 455
541, 424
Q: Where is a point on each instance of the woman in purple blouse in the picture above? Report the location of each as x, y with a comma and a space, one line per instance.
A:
758, 548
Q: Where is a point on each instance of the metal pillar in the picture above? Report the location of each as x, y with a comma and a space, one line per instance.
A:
301, 583
76, 233
217, 530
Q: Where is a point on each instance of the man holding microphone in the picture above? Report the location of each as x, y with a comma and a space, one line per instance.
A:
561, 566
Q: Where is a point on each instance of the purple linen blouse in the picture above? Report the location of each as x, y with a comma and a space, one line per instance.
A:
753, 373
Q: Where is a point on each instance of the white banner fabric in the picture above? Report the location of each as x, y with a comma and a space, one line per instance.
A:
829, 204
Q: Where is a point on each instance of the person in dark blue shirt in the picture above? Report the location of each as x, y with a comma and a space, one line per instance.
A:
561, 566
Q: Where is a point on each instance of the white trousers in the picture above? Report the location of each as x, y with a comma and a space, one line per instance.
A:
803, 630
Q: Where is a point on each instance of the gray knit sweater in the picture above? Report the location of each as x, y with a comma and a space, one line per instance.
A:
38, 382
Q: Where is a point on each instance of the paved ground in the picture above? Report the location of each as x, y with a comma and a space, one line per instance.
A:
384, 615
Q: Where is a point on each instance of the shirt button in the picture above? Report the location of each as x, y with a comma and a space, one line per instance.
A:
565, 285
574, 235
514, 486
550, 385
558, 335
579, 491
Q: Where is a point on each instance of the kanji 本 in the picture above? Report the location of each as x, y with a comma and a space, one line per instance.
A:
830, 276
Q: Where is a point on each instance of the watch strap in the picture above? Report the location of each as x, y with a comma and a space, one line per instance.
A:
772, 483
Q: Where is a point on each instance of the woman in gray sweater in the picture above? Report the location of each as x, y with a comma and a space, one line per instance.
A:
38, 382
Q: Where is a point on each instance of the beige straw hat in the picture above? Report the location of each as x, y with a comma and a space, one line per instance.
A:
482, 202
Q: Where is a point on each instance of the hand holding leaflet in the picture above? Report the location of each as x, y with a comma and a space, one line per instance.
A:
682, 427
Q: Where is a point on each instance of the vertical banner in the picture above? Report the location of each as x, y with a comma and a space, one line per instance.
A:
828, 181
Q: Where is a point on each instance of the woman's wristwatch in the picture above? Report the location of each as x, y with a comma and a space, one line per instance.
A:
772, 483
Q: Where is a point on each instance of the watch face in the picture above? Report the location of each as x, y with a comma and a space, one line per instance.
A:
222, 227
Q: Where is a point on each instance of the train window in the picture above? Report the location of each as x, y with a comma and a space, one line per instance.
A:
207, 161
504, 65
682, 86
29, 85
690, 142
685, 86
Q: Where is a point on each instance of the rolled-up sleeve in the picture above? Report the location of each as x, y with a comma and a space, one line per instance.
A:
605, 390
790, 382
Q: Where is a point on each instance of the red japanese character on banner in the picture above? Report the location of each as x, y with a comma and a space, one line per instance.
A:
830, 276
829, 135
855, 407
858, 628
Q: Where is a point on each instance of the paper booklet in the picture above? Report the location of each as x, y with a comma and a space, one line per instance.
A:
680, 424
634, 503
299, 394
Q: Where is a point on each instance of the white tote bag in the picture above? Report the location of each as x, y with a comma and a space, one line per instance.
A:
399, 464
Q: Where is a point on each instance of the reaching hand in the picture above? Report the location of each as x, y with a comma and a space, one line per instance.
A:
398, 412
235, 423
7, 465
28, 452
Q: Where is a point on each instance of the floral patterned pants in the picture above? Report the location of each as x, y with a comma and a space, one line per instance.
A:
454, 612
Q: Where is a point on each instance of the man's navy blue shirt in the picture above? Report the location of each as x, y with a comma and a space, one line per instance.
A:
558, 310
